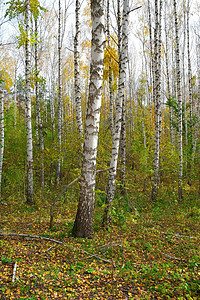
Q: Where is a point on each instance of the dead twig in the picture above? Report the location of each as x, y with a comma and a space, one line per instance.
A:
173, 257
54, 241
178, 235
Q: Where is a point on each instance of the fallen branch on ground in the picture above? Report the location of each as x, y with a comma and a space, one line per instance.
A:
178, 235
172, 257
54, 241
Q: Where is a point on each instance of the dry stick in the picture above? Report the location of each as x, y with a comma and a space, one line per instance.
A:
62, 192
178, 235
14, 272
54, 241
172, 257
112, 55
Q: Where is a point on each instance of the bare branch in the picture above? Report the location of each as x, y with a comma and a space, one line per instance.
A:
54, 241
112, 55
173, 257
134, 9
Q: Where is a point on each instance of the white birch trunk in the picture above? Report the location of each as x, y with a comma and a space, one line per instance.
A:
157, 86
189, 64
168, 81
77, 73
39, 121
110, 74
1, 136
84, 216
123, 57
184, 86
28, 109
179, 99
59, 97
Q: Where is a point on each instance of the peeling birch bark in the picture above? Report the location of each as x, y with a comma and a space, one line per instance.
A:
84, 217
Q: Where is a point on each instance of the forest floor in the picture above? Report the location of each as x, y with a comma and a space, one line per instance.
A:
150, 252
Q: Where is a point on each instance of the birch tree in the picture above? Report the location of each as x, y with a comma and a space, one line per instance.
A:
59, 96
179, 99
1, 135
77, 81
110, 74
28, 109
157, 86
167, 77
84, 217
123, 58
38, 114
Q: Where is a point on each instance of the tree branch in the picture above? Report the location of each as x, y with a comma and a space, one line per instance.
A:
54, 241
134, 9
112, 55
173, 257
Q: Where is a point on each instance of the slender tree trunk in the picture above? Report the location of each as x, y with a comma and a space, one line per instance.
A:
151, 47
77, 81
197, 135
189, 64
122, 172
123, 58
157, 86
52, 107
169, 96
84, 217
180, 117
41, 138
1, 136
184, 88
30, 199
15, 97
58, 172
110, 73
145, 146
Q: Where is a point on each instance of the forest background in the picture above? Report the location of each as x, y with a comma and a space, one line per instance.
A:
145, 226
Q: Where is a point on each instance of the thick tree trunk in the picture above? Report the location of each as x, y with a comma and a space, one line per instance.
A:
76, 73
28, 110
123, 58
84, 217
